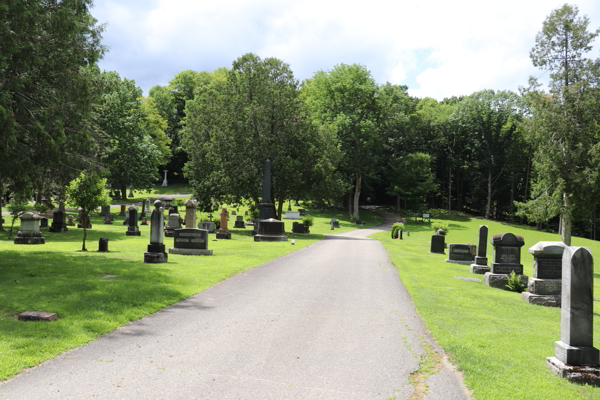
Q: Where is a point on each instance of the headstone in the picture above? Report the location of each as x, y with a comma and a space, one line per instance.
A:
246, 213
70, 220
173, 210
461, 253
165, 181
104, 210
145, 205
544, 288
507, 258
480, 265
172, 224
103, 245
233, 212
223, 231
266, 207
108, 219
37, 316
29, 231
190, 213
292, 215
239, 222
576, 347
298, 227
44, 222
126, 220
84, 220
438, 244
144, 221
132, 228
58, 222
156, 249
191, 241
123, 211
358, 222
207, 225
270, 230
302, 212
335, 223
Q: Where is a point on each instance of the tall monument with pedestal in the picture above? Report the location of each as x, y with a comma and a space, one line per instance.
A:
223, 231
544, 288
480, 265
156, 249
266, 207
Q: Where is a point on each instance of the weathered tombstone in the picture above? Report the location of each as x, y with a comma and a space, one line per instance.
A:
266, 207
461, 253
292, 215
270, 230
438, 244
207, 225
507, 258
480, 265
58, 222
145, 205
165, 181
223, 231
156, 249
123, 211
70, 220
298, 227
172, 224
103, 245
239, 222
104, 210
84, 219
544, 288
29, 231
335, 223
190, 213
108, 219
44, 222
37, 316
132, 228
576, 357
191, 241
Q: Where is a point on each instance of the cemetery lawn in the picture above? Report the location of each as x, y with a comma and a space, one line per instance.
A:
94, 293
498, 341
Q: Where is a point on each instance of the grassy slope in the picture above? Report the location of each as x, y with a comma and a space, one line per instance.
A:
56, 277
497, 340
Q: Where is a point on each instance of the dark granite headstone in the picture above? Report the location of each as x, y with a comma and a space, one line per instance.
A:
298, 227
335, 223
437, 244
507, 254
44, 222
270, 230
266, 207
58, 222
132, 228
156, 249
191, 241
461, 253
480, 265
103, 244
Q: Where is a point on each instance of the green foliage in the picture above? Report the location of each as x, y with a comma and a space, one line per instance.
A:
17, 206
397, 226
514, 283
440, 225
308, 220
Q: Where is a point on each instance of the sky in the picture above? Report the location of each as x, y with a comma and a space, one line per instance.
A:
438, 48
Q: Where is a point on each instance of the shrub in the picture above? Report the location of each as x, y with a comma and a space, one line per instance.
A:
514, 283
398, 226
307, 220
440, 225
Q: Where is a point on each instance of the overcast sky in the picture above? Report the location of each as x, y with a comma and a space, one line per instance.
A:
438, 48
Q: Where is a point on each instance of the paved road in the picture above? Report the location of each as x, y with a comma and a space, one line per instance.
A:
331, 321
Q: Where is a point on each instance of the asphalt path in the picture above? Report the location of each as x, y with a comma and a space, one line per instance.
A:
330, 321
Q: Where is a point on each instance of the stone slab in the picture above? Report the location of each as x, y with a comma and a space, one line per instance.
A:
155, 258
37, 316
292, 215
544, 286
547, 300
501, 280
478, 269
133, 233
191, 252
459, 262
464, 278
29, 240
577, 355
580, 375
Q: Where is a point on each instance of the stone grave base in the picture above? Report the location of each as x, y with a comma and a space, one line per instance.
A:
58, 229
223, 235
501, 280
29, 240
580, 375
435, 252
133, 233
191, 252
545, 286
37, 316
478, 269
577, 355
155, 258
459, 262
548, 300
270, 238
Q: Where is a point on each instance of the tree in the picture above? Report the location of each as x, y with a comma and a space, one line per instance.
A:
412, 178
49, 50
345, 99
87, 192
563, 127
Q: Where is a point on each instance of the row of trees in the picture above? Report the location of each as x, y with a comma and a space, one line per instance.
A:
59, 114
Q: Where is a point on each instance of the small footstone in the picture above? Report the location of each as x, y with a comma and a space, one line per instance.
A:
37, 316
468, 279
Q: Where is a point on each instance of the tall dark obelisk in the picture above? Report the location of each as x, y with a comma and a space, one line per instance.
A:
266, 207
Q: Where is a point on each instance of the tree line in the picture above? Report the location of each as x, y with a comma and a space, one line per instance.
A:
338, 138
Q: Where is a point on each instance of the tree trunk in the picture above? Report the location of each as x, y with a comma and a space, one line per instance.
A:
1, 201
123, 191
567, 221
397, 203
450, 189
357, 195
512, 195
84, 222
350, 204
489, 195
526, 193
280, 207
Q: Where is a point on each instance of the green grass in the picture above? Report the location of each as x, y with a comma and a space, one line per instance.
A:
56, 277
497, 340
